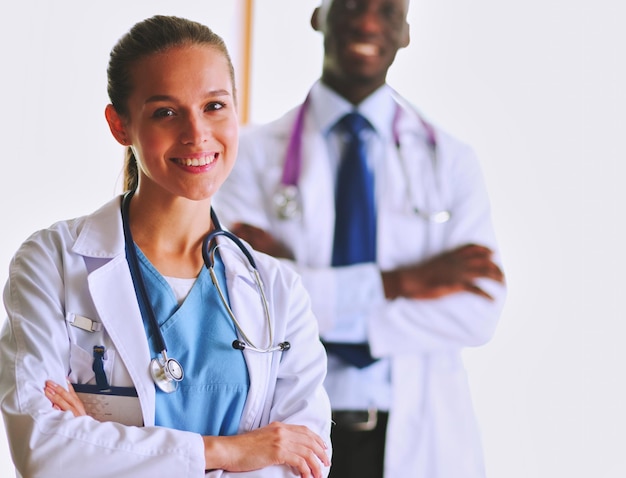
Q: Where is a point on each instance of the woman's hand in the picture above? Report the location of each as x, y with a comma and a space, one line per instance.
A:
64, 400
275, 444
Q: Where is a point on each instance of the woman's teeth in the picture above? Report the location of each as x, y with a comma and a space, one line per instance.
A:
196, 161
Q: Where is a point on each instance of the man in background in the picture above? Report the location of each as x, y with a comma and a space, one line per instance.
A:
387, 219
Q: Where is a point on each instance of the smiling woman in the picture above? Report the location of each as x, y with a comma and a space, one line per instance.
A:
133, 278
173, 115
58, 53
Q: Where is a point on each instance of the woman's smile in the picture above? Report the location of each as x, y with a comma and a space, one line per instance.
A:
204, 160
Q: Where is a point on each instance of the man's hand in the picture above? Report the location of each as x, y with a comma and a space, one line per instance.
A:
445, 274
261, 240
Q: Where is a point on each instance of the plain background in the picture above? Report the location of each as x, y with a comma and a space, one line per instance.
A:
536, 87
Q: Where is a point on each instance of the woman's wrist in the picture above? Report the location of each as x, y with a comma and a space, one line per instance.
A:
212, 460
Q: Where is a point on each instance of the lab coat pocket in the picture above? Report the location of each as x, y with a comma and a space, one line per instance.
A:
84, 334
81, 364
408, 245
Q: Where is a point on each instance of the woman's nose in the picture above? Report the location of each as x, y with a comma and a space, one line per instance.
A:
194, 130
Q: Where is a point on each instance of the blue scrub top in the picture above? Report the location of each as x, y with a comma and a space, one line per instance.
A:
199, 334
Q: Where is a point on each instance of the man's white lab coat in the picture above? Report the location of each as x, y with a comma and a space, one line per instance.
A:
432, 432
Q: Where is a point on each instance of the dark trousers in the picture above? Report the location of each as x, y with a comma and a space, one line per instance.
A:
357, 453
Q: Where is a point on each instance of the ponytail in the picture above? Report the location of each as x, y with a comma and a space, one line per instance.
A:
131, 173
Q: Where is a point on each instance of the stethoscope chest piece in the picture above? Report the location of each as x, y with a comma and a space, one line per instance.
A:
166, 373
287, 201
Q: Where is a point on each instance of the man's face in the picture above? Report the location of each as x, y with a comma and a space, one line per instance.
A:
361, 39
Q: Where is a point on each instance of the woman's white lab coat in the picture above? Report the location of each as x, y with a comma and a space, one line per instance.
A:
79, 267
432, 431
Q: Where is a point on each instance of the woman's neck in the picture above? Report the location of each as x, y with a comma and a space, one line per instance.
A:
169, 231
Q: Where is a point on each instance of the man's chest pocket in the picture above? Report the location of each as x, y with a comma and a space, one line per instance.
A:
404, 238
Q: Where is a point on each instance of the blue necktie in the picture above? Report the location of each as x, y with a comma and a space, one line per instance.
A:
355, 220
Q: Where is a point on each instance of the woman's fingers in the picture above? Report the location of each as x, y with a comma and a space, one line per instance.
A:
275, 444
64, 400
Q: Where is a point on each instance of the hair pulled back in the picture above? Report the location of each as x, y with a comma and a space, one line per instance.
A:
153, 35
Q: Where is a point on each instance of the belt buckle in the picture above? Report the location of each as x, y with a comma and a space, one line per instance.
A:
370, 424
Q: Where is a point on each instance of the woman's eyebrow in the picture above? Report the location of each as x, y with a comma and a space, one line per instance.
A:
158, 98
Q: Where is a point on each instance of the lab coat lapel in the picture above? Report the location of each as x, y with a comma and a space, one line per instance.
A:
318, 198
113, 295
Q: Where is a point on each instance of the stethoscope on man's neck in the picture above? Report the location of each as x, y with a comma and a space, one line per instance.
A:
166, 371
287, 199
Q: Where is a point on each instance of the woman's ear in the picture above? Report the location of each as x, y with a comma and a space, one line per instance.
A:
116, 125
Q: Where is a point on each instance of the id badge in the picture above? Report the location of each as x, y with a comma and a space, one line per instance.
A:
115, 404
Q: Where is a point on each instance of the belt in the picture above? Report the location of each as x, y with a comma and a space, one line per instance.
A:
359, 420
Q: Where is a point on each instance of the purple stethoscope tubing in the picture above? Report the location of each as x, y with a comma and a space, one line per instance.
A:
287, 197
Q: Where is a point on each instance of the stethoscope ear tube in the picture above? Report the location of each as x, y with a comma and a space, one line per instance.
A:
133, 263
206, 243
166, 372
209, 248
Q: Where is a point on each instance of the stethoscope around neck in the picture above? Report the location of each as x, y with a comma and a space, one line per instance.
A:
166, 371
287, 199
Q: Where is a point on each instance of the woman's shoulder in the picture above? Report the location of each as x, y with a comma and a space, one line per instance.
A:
64, 235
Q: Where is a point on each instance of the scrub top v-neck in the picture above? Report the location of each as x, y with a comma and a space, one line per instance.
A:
199, 333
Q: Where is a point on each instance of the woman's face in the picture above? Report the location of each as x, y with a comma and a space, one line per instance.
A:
182, 121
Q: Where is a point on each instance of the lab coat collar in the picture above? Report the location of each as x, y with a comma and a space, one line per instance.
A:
327, 107
102, 235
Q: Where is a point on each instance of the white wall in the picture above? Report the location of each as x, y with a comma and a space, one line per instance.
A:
536, 87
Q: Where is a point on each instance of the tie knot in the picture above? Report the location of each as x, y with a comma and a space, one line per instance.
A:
354, 123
